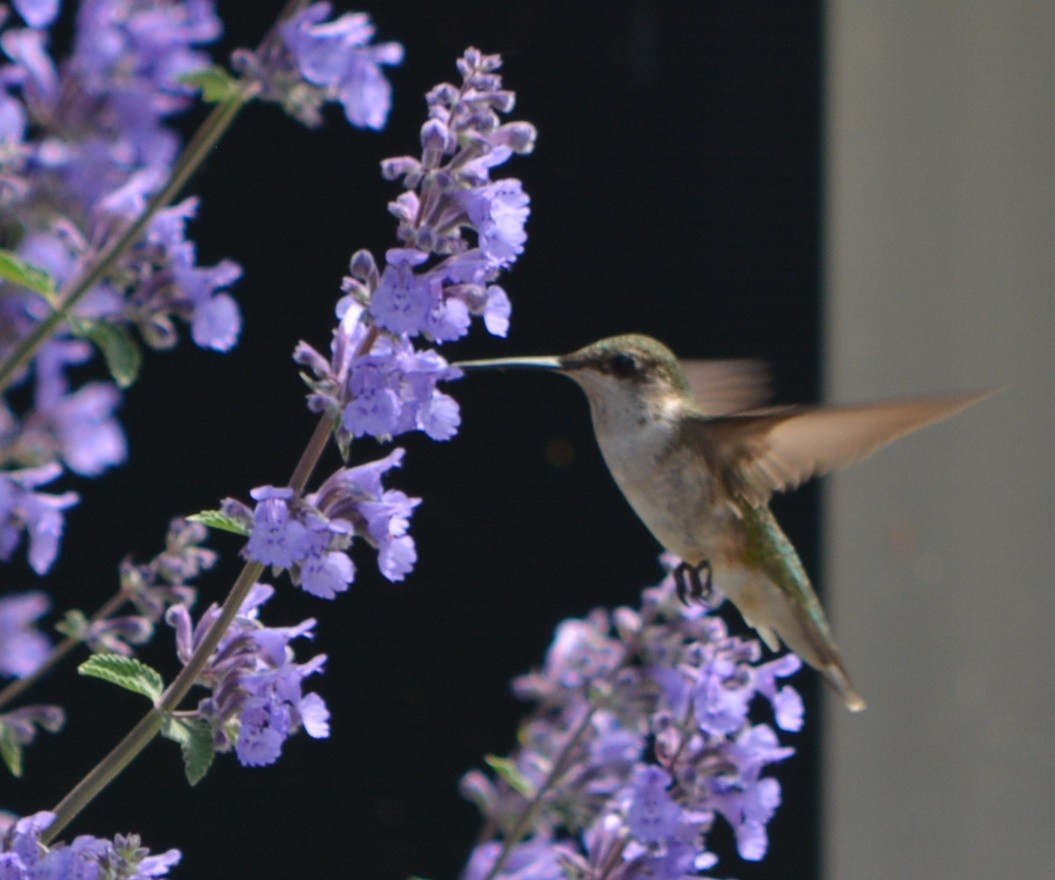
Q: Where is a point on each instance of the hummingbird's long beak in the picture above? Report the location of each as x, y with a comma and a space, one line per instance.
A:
517, 363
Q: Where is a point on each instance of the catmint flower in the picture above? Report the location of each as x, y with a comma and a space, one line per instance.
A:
23, 855
22, 646
315, 61
459, 229
389, 390
310, 536
39, 515
257, 699
650, 714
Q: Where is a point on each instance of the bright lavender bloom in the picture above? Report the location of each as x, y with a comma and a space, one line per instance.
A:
458, 230
650, 714
22, 646
257, 700
310, 537
315, 61
24, 511
23, 855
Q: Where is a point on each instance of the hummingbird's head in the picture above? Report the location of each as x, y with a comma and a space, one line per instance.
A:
630, 364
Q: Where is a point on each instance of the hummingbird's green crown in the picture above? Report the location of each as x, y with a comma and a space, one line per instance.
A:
632, 357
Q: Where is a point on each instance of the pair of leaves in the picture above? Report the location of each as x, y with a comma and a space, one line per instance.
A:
122, 353
193, 735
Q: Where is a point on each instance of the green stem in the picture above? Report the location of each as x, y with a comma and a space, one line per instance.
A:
150, 724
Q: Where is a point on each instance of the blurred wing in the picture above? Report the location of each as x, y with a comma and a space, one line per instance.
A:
723, 387
772, 451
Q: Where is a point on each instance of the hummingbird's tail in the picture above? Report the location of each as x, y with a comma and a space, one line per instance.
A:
835, 675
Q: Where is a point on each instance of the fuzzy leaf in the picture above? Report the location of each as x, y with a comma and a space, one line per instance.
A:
507, 770
10, 751
14, 268
216, 519
216, 84
124, 358
195, 742
127, 672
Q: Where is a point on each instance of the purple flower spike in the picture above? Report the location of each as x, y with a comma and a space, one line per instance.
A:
660, 701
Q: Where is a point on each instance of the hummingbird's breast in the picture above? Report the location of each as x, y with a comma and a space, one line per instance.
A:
669, 485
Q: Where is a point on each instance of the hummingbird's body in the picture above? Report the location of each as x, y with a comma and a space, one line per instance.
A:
698, 461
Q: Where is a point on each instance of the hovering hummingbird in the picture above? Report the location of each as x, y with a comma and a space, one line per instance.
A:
698, 458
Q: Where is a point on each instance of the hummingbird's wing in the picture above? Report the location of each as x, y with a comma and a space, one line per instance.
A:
769, 451
720, 387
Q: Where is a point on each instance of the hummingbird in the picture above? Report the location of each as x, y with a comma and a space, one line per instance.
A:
697, 452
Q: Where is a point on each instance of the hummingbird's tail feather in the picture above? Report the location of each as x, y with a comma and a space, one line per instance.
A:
836, 676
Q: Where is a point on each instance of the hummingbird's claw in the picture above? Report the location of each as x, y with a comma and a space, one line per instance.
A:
688, 584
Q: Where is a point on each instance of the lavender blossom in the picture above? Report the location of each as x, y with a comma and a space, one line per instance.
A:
256, 697
24, 855
310, 537
459, 230
315, 61
647, 715
22, 646
25, 511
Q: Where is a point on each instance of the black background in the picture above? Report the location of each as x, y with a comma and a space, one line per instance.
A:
675, 191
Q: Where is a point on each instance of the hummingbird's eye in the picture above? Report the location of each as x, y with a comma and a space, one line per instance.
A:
624, 365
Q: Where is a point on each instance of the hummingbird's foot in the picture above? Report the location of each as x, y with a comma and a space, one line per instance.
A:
689, 585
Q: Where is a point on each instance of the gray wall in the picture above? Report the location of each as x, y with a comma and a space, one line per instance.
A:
940, 240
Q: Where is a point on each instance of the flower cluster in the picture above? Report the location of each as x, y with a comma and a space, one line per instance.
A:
310, 536
459, 229
316, 61
641, 738
256, 697
23, 855
85, 143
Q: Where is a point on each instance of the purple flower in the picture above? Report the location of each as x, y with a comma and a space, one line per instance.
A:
336, 56
653, 816
253, 680
318, 61
403, 301
649, 715
22, 646
310, 537
24, 855
39, 515
278, 539
37, 13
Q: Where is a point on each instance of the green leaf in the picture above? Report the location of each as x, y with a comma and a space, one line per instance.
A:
129, 673
10, 750
119, 347
507, 770
217, 519
195, 741
14, 268
216, 84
